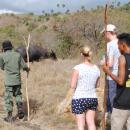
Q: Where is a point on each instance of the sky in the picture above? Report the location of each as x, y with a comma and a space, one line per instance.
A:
37, 6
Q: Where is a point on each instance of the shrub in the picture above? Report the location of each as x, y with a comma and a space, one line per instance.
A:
31, 26
66, 42
8, 30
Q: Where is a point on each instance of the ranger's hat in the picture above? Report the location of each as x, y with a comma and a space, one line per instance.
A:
7, 45
109, 28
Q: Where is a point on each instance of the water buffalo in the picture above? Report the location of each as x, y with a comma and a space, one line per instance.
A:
36, 53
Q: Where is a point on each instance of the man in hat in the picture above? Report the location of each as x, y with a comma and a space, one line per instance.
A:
11, 62
112, 56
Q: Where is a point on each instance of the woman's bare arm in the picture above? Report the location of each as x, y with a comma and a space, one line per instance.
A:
74, 79
73, 84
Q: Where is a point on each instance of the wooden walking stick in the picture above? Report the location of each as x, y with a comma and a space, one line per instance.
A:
105, 89
27, 97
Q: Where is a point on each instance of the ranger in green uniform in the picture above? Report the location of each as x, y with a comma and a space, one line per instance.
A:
11, 62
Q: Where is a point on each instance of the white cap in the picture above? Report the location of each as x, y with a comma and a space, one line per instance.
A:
110, 28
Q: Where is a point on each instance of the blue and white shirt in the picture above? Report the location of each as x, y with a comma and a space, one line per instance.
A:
86, 82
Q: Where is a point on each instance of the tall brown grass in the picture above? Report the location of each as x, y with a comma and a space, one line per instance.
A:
48, 83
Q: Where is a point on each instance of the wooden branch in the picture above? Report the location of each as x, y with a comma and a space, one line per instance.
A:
27, 97
105, 88
27, 49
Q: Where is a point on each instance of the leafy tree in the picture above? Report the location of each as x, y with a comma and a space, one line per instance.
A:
52, 11
83, 8
126, 7
46, 14
31, 13
67, 11
63, 5
118, 4
58, 5
43, 12
64, 48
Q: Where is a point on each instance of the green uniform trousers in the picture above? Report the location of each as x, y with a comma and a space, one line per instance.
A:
10, 92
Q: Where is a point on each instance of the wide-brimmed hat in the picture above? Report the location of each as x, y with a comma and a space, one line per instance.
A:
7, 45
109, 28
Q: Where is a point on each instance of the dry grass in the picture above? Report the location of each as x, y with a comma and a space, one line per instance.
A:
47, 85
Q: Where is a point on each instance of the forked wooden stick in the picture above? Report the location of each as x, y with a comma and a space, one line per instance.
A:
27, 97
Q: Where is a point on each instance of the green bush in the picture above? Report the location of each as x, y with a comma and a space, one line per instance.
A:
42, 28
8, 30
126, 7
31, 26
63, 49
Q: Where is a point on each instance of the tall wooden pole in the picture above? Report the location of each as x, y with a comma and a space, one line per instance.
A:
105, 89
27, 97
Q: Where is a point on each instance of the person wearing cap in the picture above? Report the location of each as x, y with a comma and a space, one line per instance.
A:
112, 56
11, 62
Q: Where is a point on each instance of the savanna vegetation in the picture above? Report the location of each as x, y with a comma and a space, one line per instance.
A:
64, 32
49, 80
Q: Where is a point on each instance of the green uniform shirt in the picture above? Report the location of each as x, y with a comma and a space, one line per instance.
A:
11, 62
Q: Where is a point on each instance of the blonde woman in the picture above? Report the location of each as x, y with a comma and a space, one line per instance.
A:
84, 80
